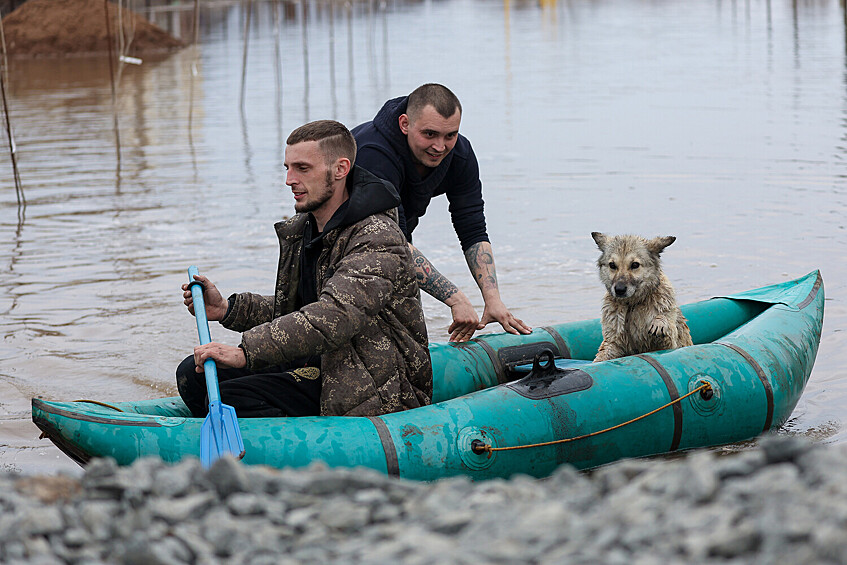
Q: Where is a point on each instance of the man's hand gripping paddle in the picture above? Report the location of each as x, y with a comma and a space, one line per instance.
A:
220, 433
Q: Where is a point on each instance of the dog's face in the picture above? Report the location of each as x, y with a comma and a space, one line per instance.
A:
629, 264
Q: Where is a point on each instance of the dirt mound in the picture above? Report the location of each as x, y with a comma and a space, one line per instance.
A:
72, 27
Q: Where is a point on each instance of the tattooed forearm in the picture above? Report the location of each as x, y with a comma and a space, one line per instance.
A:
480, 258
430, 280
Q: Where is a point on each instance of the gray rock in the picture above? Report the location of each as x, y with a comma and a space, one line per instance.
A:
825, 466
411, 541
263, 480
102, 479
176, 480
782, 500
140, 475
38, 547
247, 504
735, 542
13, 551
189, 534
34, 521
386, 513
227, 475
276, 511
264, 557
228, 536
181, 509
98, 468
98, 517
450, 522
739, 464
344, 515
167, 551
370, 496
301, 518
693, 479
314, 533
781, 449
702, 482
311, 554
75, 537
323, 481
610, 478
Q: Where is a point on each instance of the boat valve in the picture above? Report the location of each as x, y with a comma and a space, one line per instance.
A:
707, 393
478, 446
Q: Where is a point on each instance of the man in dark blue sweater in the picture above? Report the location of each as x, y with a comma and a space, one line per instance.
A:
414, 143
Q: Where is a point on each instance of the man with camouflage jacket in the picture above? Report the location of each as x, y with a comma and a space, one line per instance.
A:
344, 334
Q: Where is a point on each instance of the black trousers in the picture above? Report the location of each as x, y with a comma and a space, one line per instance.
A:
274, 392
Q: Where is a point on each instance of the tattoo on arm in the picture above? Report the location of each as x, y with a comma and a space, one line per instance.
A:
480, 260
430, 280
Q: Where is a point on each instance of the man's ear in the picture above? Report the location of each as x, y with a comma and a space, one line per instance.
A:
404, 122
342, 168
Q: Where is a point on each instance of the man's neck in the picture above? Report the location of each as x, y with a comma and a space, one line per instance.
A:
423, 170
324, 214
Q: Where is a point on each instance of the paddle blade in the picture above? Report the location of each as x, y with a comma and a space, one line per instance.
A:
220, 435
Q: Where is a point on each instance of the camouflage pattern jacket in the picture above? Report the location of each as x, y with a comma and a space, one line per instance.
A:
367, 324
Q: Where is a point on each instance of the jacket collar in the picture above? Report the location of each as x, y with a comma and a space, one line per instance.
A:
368, 195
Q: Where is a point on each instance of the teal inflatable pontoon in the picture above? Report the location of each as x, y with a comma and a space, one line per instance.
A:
752, 357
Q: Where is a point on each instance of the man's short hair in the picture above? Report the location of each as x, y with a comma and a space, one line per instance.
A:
436, 95
334, 139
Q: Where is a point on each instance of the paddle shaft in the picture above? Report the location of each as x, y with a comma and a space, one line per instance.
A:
209, 367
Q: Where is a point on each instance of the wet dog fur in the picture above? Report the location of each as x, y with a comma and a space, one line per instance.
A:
639, 311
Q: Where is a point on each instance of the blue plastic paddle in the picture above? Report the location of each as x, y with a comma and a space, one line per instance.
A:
220, 433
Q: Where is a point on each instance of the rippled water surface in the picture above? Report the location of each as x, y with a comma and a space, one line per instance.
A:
723, 123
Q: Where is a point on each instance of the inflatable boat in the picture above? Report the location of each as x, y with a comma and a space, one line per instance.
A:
506, 404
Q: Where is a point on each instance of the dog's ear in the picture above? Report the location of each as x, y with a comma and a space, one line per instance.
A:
599, 239
658, 244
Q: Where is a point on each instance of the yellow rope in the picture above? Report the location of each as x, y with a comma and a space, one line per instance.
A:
486, 448
98, 403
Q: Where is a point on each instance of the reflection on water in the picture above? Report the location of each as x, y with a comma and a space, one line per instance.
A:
723, 123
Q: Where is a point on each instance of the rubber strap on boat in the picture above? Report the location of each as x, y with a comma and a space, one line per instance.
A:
674, 394
499, 367
392, 466
564, 352
83, 417
762, 377
812, 294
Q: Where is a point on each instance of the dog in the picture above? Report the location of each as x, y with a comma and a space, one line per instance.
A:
639, 311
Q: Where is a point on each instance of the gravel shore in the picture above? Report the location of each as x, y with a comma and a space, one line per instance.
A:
783, 500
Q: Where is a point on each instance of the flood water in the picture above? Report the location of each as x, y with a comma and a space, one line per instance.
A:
721, 122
